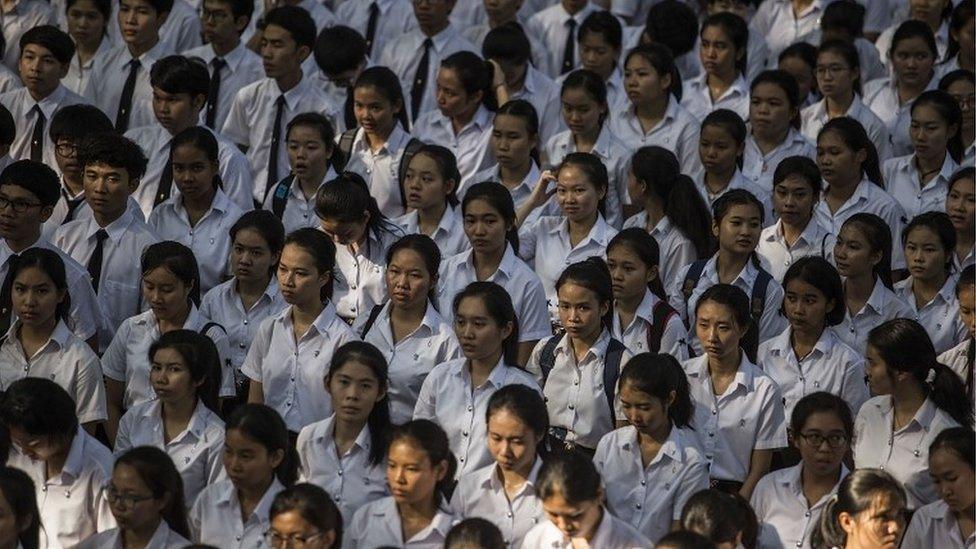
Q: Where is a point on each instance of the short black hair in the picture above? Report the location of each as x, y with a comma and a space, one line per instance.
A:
35, 177
339, 49
161, 6
113, 150
8, 130
52, 39
103, 6
178, 74
845, 16
297, 21
240, 8
674, 24
40, 407
75, 122
508, 43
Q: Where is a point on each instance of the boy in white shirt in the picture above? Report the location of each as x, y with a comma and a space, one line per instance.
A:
20, 17
340, 55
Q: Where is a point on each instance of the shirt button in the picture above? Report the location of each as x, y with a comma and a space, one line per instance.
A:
293, 378
643, 482
799, 543
807, 514
461, 460
470, 408
638, 505
352, 286
242, 346
571, 407
288, 403
509, 514
245, 322
464, 433
714, 412
238, 538
576, 382
339, 472
711, 434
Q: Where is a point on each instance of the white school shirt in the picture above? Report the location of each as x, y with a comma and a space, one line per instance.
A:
21, 105
614, 154
223, 305
197, 452
448, 398
574, 391
869, 60
8, 80
678, 131
539, 56
65, 360
127, 358
120, 283
777, 21
935, 525
676, 249
868, 198
881, 96
551, 27
738, 181
831, 366
940, 317
299, 211
25, 15
72, 505
209, 238
381, 170
250, 122
903, 184
612, 533
678, 471
759, 167
882, 306
696, 98
412, 358
350, 479
748, 416
79, 74
403, 54
395, 19
216, 517
377, 524
470, 145
543, 93
814, 241
903, 453
293, 373
814, 117
674, 340
482, 494
520, 193
957, 359
785, 517
446, 235
108, 79
545, 245
163, 538
243, 67
359, 281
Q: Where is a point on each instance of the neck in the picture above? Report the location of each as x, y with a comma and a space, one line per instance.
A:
38, 332
718, 180
729, 264
378, 138
767, 143
652, 109
859, 287
74, 185
139, 537
137, 50
460, 121
425, 509
430, 217
907, 399
964, 242
805, 338
838, 106
40, 95
584, 343
175, 322
907, 92
310, 185
253, 287
721, 79
928, 164
791, 232
288, 81
19, 245
655, 211
87, 50
105, 219
586, 140
627, 304
930, 285
843, 190
256, 491
659, 436
431, 32
516, 477
728, 364
579, 229
345, 430
411, 313
809, 477
180, 411
489, 260
223, 47
513, 175
307, 312
485, 365
199, 204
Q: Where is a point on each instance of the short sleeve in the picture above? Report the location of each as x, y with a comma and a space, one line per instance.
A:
771, 433
528, 239
90, 390
534, 321
123, 439
693, 480
114, 361
252, 367
236, 126
426, 407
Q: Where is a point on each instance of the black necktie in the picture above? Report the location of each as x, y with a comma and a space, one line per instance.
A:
95, 261
374, 15
570, 50
125, 102
275, 145
6, 293
348, 112
165, 187
37, 138
72, 204
214, 95
420, 81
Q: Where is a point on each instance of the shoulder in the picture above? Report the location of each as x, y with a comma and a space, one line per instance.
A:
872, 410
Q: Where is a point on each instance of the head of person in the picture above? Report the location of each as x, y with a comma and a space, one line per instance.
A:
195, 160
88, 20
814, 295
796, 190
28, 192
737, 219
432, 17
774, 104
257, 238
931, 12
170, 279
310, 142
650, 75
655, 396
346, 210
112, 167
140, 21
582, 183
223, 21
634, 259
508, 46
935, 127
966, 295
961, 85
412, 267
822, 429
845, 21
378, 102
45, 56
515, 134
846, 155
305, 270
145, 489
40, 289
600, 38
684, 539
800, 60
432, 179
838, 68
485, 322
464, 85
671, 23
517, 425
929, 240
502, 10
585, 299
952, 469
722, 141
305, 515
68, 128
340, 52
40, 416
717, 516
179, 91
571, 492
723, 323
286, 40
420, 467
488, 214
962, 30
868, 510
913, 53
184, 366
257, 448
724, 40
358, 381
863, 248
474, 533
20, 521
583, 97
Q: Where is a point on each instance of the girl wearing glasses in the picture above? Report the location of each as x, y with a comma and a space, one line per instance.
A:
145, 495
960, 204
868, 512
304, 516
961, 85
788, 502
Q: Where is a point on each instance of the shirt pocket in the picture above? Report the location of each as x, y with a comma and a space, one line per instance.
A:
121, 300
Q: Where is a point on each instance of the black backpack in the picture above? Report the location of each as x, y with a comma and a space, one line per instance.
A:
611, 367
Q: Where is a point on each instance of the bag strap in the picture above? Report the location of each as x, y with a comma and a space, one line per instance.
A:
208, 326
547, 359
660, 317
759, 287
373, 315
691, 280
823, 245
279, 200
340, 158
611, 371
408, 152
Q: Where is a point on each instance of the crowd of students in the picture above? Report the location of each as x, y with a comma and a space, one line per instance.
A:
487, 274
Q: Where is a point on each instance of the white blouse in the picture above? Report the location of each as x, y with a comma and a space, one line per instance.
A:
674, 340
940, 317
377, 524
934, 525
611, 533
482, 494
696, 97
882, 306
903, 184
815, 240
449, 239
676, 248
868, 198
759, 167
785, 518
677, 131
223, 305
163, 538
216, 517
358, 279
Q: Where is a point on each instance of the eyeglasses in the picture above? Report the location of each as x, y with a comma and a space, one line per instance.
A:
66, 149
215, 16
123, 500
19, 206
816, 439
278, 541
965, 100
830, 69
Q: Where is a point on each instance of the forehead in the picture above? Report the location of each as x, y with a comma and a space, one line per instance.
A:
161, 275
134, 4
16, 191
305, 132
575, 292
104, 169
423, 162
33, 275
297, 256
276, 32
35, 49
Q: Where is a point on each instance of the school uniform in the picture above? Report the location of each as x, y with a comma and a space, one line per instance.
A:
940, 317
162, 538
676, 249
293, 381
759, 167
785, 517
393, 18
882, 306
885, 39
377, 524
540, 90
616, 94
881, 96
814, 117
72, 504
902, 182
555, 27
79, 77
868, 198
674, 339
869, 60
9, 80
23, 16
748, 416
696, 98
738, 181
223, 305
65, 360
782, 26
216, 517
650, 496
241, 67
359, 281
814, 241
381, 169
24, 108
957, 358
677, 131
520, 193
935, 525
109, 78
446, 235
299, 210
539, 56
470, 145
351, 479
903, 453
757, 57
482, 494
611, 533
448, 398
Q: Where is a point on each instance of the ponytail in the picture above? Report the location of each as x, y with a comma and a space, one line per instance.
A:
878, 235
500, 199
856, 493
853, 135
427, 436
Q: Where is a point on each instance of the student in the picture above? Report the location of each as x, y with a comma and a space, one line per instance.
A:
456, 392
145, 495
586, 111
961, 85
569, 487
337, 59
800, 60
392, 19
431, 182
786, 22
489, 223
839, 81
231, 65
261, 110
738, 408
556, 26
18, 21
600, 42
797, 233
917, 399
348, 214
474, 532
643, 320
674, 24
736, 225
17, 500
304, 513
68, 466
252, 295
40, 343
867, 512
722, 84
408, 330
45, 52
311, 144
170, 287
947, 522
420, 469
672, 210
960, 358
111, 168
259, 461
658, 448
8, 131
774, 116
655, 116
684, 539
86, 22
725, 520
919, 181
721, 145
935, 16
345, 453
757, 51
844, 22
958, 53
179, 88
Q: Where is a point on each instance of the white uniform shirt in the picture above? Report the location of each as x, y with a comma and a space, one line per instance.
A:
902, 183
759, 167
448, 398
108, 79
782, 26
65, 360
696, 97
359, 281
482, 494
543, 93
674, 340
940, 317
785, 518
223, 305
377, 524
381, 170
162, 538
678, 471
957, 358
21, 106
757, 57
903, 453
882, 306
446, 235
677, 131
520, 193
748, 416
299, 211
216, 517
395, 19
294, 380
180, 32
676, 249
814, 117
470, 145
614, 154
738, 181
883, 43
868, 198
25, 15
551, 26
79, 75
934, 525
882, 97
243, 67
778, 255
612, 533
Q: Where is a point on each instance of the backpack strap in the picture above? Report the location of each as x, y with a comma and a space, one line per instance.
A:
660, 317
279, 200
411, 149
823, 246
342, 153
208, 326
611, 371
371, 319
691, 280
758, 300
547, 358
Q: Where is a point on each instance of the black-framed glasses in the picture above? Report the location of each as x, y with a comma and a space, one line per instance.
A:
66, 149
834, 440
215, 16
278, 540
124, 500
19, 206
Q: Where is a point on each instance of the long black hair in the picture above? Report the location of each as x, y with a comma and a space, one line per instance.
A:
500, 199
17, 488
856, 493
658, 375
524, 403
157, 471
263, 425
877, 233
432, 440
639, 242
498, 304
201, 358
852, 133
347, 199
379, 416
594, 275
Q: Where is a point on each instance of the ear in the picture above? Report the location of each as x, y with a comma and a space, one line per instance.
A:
46, 212
440, 470
25, 522
652, 273
161, 19
604, 308
672, 396
325, 277
846, 521
507, 330
133, 185
198, 102
303, 52
64, 70
241, 23
666, 81
715, 228
861, 155
276, 458
328, 538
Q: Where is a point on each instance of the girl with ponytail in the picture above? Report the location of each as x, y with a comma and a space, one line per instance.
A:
960, 358
867, 512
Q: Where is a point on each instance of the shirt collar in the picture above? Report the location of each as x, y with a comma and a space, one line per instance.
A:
235, 56
810, 235
598, 234
441, 39
598, 349
497, 376
393, 143
746, 276
646, 308
75, 461
744, 375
